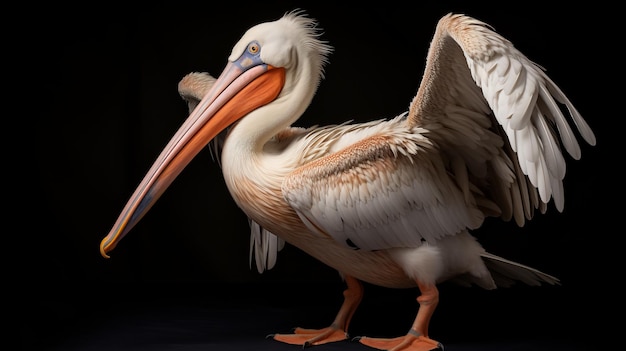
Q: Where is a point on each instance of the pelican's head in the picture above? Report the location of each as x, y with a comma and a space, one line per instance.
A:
278, 64
291, 42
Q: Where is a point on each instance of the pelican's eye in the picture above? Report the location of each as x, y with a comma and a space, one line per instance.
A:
254, 48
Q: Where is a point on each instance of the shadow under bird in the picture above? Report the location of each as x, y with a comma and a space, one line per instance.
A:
390, 202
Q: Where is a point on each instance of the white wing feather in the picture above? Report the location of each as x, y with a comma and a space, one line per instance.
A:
264, 247
524, 102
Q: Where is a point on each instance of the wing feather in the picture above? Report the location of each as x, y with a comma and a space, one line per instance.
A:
565, 131
264, 247
390, 189
582, 125
515, 102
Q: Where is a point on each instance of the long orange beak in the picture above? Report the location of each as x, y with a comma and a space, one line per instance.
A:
243, 86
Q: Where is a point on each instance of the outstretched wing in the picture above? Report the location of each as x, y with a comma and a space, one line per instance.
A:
477, 82
482, 138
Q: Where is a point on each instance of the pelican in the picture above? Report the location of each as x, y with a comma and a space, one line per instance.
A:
390, 202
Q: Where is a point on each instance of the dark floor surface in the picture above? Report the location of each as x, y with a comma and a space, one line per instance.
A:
239, 317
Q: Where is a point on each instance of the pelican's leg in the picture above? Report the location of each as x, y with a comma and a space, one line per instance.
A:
417, 338
338, 330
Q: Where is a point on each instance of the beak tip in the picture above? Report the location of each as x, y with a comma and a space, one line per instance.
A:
103, 250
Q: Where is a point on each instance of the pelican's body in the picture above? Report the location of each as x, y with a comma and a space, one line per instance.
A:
263, 198
389, 202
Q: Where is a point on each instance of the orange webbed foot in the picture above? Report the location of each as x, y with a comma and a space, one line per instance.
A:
408, 342
310, 337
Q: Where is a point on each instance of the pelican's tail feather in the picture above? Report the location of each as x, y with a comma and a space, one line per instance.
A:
506, 272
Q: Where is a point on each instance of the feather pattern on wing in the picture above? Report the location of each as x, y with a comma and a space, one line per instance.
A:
517, 101
388, 189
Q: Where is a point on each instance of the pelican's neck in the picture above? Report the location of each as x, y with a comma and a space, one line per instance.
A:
253, 171
244, 146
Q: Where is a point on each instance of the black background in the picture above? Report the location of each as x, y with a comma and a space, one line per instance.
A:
97, 101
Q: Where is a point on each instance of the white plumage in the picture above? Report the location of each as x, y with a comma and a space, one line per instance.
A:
390, 202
